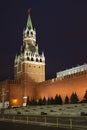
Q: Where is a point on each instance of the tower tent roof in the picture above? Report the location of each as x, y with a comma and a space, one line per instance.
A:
29, 22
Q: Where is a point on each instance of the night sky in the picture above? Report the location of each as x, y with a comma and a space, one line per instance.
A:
61, 28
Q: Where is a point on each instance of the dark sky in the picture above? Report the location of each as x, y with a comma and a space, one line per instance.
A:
61, 28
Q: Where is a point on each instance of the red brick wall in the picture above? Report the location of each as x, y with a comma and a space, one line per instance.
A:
27, 87
63, 87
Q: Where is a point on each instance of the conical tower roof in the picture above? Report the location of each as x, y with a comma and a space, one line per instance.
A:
29, 22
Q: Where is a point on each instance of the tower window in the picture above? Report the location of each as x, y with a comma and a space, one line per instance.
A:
36, 59
27, 54
32, 59
27, 32
28, 58
31, 33
40, 60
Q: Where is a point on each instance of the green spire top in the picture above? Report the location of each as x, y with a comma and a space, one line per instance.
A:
29, 22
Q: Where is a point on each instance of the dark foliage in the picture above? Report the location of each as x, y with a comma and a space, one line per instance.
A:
40, 102
49, 101
66, 100
44, 101
32, 102
57, 100
85, 96
74, 98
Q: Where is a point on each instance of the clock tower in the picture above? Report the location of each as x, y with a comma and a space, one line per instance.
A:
29, 63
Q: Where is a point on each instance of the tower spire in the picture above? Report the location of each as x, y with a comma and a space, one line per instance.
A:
29, 22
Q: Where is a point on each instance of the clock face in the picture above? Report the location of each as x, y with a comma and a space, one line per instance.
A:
32, 48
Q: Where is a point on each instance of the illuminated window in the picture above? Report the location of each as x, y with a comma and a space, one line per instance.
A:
72, 72
69, 72
63, 74
75, 71
82, 69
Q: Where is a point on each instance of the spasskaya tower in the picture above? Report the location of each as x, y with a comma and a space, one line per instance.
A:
29, 62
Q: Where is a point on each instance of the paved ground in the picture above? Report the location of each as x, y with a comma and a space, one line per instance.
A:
14, 126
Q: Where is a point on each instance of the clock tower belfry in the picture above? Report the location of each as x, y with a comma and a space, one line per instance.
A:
29, 62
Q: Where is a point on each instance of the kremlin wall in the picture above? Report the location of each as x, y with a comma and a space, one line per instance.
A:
29, 75
66, 86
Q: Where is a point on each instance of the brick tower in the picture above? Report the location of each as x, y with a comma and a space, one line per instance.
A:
29, 62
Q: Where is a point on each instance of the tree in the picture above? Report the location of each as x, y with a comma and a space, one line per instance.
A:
40, 102
85, 96
74, 98
58, 100
44, 101
66, 100
32, 102
49, 101
52, 101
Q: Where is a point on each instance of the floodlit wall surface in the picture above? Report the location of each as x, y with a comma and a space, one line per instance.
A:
63, 87
19, 90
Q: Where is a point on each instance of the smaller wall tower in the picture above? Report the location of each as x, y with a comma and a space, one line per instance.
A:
29, 62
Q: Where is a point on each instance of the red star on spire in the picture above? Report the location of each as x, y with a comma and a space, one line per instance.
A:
29, 10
